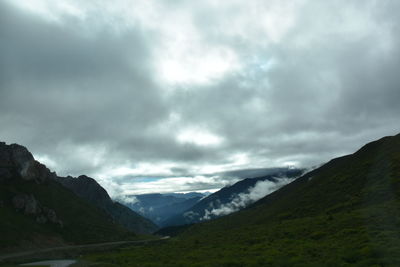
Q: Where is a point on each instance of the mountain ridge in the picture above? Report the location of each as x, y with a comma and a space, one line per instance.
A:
88, 189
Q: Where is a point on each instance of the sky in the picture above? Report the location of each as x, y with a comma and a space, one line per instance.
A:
173, 95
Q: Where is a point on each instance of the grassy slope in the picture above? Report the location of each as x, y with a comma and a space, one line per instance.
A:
346, 213
83, 223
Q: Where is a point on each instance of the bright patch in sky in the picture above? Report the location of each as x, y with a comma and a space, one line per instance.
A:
199, 137
176, 184
139, 169
185, 65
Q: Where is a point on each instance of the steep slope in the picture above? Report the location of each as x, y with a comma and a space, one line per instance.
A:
220, 202
36, 211
88, 189
160, 207
345, 213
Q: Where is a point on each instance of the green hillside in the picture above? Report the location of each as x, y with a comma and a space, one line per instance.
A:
346, 213
88, 189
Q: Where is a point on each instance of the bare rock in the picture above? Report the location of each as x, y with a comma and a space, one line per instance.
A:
27, 203
33, 170
20, 156
32, 206
17, 159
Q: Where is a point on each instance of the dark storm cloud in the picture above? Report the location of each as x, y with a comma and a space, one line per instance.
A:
156, 91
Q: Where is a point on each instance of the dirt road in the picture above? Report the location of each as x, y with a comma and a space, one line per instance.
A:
66, 248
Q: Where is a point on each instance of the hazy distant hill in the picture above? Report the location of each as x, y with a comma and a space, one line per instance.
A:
345, 213
233, 198
159, 207
37, 211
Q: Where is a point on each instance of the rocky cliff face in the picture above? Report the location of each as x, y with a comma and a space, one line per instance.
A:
16, 159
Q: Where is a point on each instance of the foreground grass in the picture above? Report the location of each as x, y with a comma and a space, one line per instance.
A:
342, 239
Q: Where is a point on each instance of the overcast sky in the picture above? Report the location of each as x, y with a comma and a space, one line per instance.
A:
161, 96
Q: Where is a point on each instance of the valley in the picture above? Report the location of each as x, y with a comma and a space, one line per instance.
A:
166, 133
345, 213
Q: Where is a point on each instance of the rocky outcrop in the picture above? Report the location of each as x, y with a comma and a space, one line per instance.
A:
26, 203
17, 159
30, 206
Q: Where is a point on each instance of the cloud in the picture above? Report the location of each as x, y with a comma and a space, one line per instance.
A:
150, 89
126, 199
145, 185
242, 200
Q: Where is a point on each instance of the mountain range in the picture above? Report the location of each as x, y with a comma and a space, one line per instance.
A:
344, 213
174, 209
